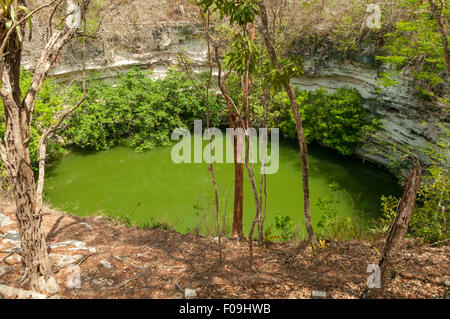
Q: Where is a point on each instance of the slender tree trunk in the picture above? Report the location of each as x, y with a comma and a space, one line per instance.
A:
397, 231
298, 124
34, 249
237, 231
437, 14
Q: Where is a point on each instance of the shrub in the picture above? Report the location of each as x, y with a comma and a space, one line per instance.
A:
334, 224
283, 225
338, 120
139, 108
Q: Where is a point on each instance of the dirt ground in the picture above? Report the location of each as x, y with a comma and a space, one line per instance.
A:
119, 262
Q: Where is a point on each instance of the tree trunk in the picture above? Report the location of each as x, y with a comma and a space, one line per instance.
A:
15, 151
298, 124
397, 231
34, 249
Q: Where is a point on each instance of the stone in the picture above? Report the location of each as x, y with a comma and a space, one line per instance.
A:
106, 264
190, 293
5, 220
16, 250
12, 235
87, 226
78, 245
64, 260
13, 259
316, 294
97, 282
166, 42
4, 270
179, 10
50, 286
12, 292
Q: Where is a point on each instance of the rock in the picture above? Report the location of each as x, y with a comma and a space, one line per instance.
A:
406, 122
179, 10
78, 245
5, 220
87, 226
165, 43
13, 259
12, 292
12, 235
64, 260
446, 283
106, 264
16, 250
97, 282
316, 294
190, 293
50, 287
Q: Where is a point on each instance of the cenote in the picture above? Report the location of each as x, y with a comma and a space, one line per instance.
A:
148, 188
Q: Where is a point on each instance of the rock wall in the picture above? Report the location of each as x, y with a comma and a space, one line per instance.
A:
406, 120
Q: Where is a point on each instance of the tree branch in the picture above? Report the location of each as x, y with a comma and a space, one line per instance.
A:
59, 39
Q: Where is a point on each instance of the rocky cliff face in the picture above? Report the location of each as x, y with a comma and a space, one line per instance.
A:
407, 122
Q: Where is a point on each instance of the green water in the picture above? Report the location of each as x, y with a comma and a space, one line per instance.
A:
148, 187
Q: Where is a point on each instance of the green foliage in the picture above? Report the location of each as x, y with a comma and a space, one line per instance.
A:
241, 49
136, 107
431, 216
415, 46
338, 120
156, 224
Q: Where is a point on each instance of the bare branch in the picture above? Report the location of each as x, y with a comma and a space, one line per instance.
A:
49, 28
46, 61
43, 148
43, 142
